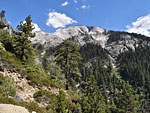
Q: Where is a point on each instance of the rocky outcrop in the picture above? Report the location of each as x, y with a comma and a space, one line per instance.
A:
113, 42
83, 34
5, 26
125, 43
8, 108
25, 91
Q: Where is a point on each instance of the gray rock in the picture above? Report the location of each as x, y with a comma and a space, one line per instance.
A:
18, 99
87, 34
5, 26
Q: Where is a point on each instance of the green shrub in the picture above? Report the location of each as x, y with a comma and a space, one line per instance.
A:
10, 60
1, 78
35, 79
1, 47
34, 68
32, 106
73, 96
38, 80
6, 100
47, 82
7, 40
45, 96
7, 87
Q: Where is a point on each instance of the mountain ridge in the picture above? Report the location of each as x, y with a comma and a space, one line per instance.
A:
114, 42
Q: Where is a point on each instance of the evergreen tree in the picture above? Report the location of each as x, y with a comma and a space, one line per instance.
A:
62, 105
126, 101
2, 14
22, 45
68, 58
26, 27
7, 40
2, 19
92, 100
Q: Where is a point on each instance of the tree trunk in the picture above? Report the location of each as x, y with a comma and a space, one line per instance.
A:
67, 74
67, 87
68, 80
22, 53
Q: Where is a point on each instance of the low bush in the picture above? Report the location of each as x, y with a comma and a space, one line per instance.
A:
38, 80
45, 96
7, 87
10, 61
32, 106
6, 100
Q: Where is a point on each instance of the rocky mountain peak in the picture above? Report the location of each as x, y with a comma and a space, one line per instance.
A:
80, 32
114, 42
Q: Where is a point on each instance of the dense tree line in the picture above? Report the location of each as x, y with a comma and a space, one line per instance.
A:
135, 68
115, 36
116, 94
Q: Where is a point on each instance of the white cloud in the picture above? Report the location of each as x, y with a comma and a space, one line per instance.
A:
141, 26
75, 1
59, 20
65, 3
36, 27
85, 6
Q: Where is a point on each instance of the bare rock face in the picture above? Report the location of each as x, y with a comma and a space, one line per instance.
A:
78, 32
125, 43
8, 108
5, 26
113, 42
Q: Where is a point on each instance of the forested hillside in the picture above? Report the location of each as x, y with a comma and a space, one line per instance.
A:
74, 77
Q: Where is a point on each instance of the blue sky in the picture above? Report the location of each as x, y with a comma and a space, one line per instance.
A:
50, 15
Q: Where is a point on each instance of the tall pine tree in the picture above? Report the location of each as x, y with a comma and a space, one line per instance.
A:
68, 57
22, 45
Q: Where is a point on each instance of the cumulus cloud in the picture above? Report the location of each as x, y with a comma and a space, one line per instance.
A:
85, 6
65, 3
36, 27
59, 20
141, 26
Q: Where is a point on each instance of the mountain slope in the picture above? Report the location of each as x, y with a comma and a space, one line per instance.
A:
117, 89
112, 41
